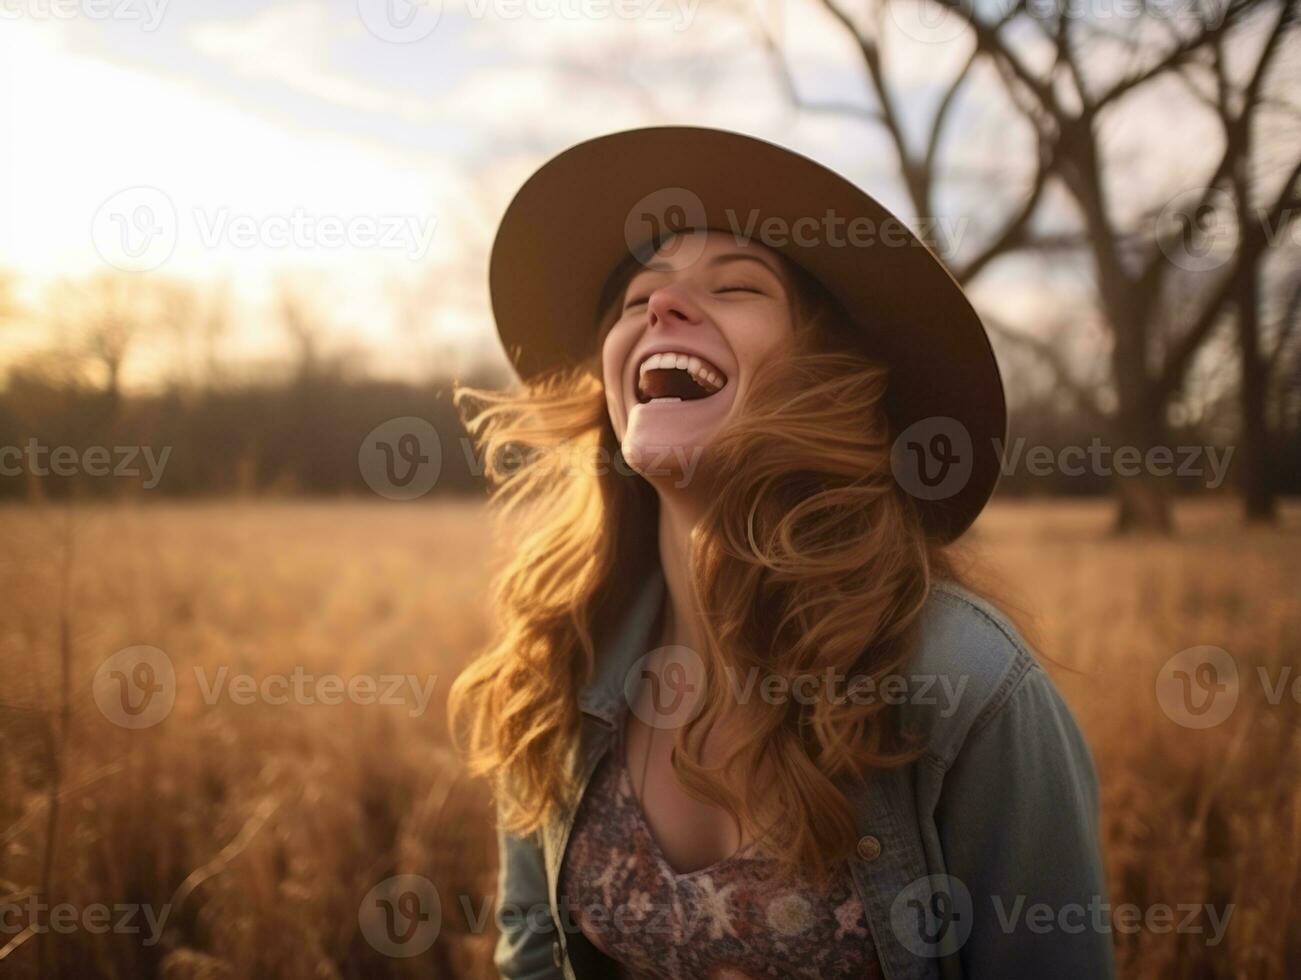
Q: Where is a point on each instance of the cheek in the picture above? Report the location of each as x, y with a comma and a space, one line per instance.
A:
762, 339
614, 355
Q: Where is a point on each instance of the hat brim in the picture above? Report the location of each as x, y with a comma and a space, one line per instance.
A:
573, 221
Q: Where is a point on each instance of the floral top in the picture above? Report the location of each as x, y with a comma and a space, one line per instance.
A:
731, 920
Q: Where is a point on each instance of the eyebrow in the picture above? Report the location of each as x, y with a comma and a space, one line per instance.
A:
659, 265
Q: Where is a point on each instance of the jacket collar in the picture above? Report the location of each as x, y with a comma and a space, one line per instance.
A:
603, 696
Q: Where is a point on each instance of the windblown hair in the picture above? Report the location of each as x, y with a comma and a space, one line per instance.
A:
809, 559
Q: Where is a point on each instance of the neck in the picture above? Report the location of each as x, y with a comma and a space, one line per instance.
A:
682, 626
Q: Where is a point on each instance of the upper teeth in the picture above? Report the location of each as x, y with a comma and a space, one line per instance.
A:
699, 370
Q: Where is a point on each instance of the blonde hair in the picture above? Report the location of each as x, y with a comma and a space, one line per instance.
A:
809, 558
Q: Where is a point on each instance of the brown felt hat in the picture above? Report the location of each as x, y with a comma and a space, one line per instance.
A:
588, 208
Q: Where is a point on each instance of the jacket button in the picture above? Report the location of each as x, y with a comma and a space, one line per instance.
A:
556, 956
869, 848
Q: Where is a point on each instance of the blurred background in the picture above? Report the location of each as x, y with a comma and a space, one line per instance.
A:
243, 257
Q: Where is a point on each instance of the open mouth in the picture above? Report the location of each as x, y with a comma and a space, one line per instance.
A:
677, 376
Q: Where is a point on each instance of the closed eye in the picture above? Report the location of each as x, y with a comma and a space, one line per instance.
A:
642, 300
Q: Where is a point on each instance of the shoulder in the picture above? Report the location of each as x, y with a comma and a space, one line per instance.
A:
978, 667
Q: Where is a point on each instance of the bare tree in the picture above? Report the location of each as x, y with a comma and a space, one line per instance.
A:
101, 319
1062, 105
195, 320
1237, 108
9, 305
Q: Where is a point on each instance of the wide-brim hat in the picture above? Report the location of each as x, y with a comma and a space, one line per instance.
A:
588, 208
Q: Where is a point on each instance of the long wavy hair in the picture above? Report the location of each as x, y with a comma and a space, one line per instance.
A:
810, 559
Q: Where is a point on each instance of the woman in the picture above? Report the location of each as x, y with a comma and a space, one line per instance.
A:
742, 719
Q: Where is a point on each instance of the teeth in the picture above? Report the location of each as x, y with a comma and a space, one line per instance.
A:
687, 362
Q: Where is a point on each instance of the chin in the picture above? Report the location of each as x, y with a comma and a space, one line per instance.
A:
668, 465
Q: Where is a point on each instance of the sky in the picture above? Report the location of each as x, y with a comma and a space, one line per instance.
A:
368, 147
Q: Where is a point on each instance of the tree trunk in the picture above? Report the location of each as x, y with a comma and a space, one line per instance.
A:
1143, 505
1257, 487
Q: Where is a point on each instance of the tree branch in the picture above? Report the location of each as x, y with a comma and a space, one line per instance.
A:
1253, 241
1053, 358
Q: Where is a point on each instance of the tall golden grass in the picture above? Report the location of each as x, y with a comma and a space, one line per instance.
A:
259, 828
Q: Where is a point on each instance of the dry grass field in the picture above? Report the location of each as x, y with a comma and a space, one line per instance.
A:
233, 839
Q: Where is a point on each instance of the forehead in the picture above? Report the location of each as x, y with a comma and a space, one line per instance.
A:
707, 248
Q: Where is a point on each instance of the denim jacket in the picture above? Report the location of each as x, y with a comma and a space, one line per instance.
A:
980, 859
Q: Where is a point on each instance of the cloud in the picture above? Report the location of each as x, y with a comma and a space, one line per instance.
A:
293, 45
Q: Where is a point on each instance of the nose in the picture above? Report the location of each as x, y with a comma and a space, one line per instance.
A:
671, 304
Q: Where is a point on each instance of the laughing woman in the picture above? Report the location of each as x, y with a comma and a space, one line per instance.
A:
742, 718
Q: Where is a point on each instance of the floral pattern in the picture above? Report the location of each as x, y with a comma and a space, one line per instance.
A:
732, 920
